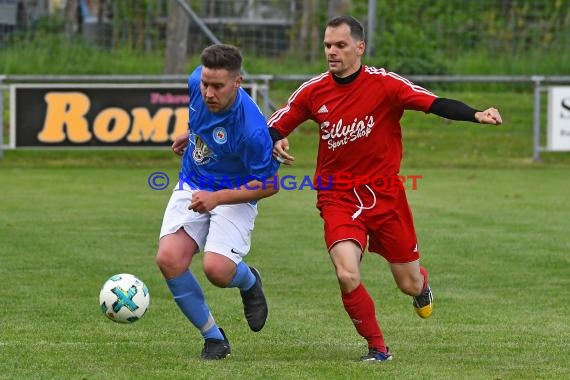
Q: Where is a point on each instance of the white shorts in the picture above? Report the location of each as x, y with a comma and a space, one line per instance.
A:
225, 230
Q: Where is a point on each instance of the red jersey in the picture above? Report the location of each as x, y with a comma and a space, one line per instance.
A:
360, 132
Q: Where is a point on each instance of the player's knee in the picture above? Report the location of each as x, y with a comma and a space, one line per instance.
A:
347, 279
162, 259
216, 279
411, 286
218, 276
170, 264
165, 263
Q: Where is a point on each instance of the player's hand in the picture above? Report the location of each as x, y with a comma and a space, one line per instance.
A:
489, 116
180, 144
203, 201
281, 152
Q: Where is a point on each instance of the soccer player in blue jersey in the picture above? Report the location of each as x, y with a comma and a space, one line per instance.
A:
227, 166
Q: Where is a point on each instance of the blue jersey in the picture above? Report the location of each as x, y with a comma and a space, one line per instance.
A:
225, 149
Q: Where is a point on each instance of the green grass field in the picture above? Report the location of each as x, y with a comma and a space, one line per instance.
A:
493, 230
495, 241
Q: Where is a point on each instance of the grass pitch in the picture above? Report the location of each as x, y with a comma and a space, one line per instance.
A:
494, 240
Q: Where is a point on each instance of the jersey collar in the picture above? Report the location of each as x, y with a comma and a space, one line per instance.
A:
348, 79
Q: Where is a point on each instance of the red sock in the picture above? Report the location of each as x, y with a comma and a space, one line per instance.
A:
423, 271
360, 308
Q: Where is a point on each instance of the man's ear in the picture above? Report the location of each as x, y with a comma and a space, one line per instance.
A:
239, 80
361, 47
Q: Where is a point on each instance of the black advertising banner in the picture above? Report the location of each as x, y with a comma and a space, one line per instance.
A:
98, 115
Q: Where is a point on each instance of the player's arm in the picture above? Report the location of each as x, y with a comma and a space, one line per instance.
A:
263, 181
280, 147
456, 110
285, 120
204, 201
180, 143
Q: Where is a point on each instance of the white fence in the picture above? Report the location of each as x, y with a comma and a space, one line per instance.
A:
539, 85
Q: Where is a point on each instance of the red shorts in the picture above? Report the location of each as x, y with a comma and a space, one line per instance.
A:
389, 225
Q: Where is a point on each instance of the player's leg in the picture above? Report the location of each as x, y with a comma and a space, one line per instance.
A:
346, 240
396, 240
181, 234
174, 256
409, 277
412, 279
229, 241
175, 252
346, 256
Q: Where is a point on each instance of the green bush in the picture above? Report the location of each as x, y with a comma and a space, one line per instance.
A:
408, 51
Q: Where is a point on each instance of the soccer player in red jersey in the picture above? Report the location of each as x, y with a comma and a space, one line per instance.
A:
358, 109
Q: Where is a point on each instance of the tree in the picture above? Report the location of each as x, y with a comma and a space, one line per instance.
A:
72, 17
339, 7
176, 39
304, 34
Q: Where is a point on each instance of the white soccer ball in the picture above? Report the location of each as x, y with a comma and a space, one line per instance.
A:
124, 298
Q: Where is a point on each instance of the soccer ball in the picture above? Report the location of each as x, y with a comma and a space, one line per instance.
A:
124, 298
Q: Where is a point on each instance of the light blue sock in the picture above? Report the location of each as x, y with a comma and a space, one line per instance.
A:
190, 299
243, 279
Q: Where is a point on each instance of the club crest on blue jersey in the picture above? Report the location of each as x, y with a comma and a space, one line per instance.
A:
202, 154
220, 135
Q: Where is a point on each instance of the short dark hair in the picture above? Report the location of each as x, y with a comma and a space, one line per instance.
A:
221, 56
356, 29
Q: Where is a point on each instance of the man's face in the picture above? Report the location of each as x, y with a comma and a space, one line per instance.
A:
342, 52
219, 88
